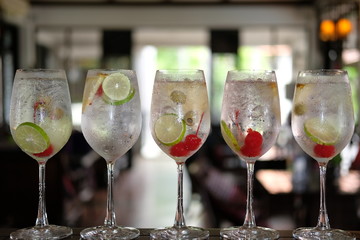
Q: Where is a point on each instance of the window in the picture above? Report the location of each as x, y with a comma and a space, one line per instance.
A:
153, 49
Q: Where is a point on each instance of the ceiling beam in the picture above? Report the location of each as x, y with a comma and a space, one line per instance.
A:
169, 2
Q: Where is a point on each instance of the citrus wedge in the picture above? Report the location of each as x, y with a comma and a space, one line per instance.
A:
91, 87
31, 138
320, 131
228, 136
169, 129
117, 88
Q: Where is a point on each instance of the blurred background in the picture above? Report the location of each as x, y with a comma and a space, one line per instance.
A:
145, 35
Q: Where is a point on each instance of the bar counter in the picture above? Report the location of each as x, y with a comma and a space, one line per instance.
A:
144, 234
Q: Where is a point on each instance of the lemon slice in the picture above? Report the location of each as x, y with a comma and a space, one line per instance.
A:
117, 88
92, 86
321, 131
228, 136
169, 129
31, 138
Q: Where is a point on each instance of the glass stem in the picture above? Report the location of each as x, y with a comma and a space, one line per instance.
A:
323, 221
110, 219
249, 217
179, 217
41, 219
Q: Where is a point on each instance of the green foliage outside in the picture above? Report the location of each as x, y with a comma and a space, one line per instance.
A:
181, 57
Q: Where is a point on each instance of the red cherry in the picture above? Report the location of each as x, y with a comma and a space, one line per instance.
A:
252, 144
324, 151
250, 151
192, 142
253, 139
47, 152
100, 91
179, 150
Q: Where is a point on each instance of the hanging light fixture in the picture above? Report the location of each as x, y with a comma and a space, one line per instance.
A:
334, 25
327, 30
343, 27
331, 31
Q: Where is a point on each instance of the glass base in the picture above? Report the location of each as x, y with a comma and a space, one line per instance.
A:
42, 232
254, 233
322, 234
184, 233
109, 232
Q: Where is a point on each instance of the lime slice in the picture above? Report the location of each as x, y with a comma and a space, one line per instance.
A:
169, 129
31, 138
321, 131
228, 136
117, 87
127, 99
92, 86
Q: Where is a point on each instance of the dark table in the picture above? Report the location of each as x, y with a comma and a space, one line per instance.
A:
144, 234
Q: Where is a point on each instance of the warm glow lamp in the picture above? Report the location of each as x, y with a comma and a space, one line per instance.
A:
330, 31
327, 30
343, 27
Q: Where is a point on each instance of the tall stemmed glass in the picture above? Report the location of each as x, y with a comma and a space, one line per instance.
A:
250, 122
111, 124
180, 124
322, 124
40, 123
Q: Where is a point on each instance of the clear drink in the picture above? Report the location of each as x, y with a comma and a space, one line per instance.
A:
187, 101
322, 122
331, 119
250, 122
111, 124
180, 124
250, 107
46, 105
110, 128
40, 123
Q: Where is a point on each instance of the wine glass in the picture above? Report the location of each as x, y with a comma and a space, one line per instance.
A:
180, 124
40, 123
322, 124
111, 124
250, 122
